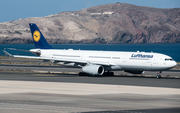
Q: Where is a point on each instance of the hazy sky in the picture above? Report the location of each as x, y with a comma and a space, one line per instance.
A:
15, 9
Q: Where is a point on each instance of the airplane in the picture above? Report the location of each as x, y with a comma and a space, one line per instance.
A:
97, 63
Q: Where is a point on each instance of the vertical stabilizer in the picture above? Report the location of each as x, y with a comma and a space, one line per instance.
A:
38, 38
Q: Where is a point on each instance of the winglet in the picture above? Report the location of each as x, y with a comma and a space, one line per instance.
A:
6, 53
38, 38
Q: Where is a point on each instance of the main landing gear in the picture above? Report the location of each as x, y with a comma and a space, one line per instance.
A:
158, 74
104, 74
83, 74
108, 73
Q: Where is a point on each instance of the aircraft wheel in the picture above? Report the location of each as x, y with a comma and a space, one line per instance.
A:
108, 74
80, 74
158, 76
83, 74
111, 74
105, 74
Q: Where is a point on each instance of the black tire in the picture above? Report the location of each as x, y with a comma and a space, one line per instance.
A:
108, 74
158, 76
105, 74
111, 73
81, 74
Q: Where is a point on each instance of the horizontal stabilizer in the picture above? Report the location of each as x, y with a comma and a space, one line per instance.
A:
19, 50
6, 53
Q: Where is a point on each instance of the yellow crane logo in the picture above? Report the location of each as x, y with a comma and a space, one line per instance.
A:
36, 36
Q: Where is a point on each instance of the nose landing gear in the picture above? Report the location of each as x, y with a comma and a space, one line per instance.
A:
158, 74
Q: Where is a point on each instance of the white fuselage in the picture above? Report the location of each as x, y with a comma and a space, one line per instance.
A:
139, 61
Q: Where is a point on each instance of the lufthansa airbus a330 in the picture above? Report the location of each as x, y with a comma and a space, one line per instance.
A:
98, 62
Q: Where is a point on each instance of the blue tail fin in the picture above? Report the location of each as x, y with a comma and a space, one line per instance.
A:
38, 38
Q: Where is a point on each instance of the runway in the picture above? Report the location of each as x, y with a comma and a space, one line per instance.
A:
56, 89
69, 93
75, 78
60, 69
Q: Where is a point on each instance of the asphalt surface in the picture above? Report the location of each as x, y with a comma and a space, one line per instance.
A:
31, 102
49, 68
117, 103
75, 78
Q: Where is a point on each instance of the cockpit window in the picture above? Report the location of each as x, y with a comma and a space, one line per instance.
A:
168, 59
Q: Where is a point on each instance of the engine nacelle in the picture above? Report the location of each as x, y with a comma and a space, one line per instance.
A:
134, 72
93, 69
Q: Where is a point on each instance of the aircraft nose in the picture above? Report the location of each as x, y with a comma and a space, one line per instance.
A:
171, 64
175, 63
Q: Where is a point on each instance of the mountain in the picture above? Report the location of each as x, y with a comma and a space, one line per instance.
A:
111, 23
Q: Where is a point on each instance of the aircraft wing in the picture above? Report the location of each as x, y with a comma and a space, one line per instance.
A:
65, 60
60, 59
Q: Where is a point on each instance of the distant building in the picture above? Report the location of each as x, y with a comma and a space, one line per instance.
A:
108, 13
95, 13
105, 13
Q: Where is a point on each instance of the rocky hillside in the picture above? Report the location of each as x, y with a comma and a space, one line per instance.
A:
112, 23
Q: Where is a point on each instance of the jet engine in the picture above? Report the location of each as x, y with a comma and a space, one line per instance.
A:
134, 72
93, 69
